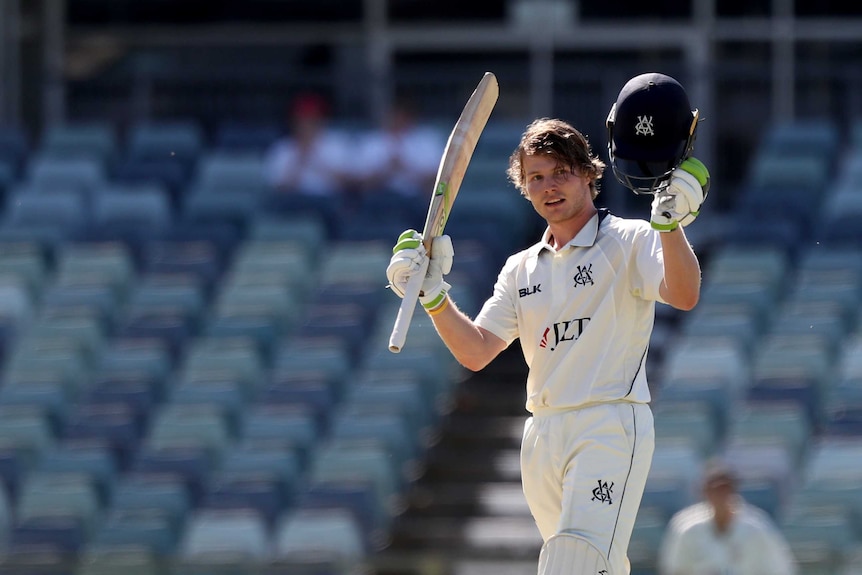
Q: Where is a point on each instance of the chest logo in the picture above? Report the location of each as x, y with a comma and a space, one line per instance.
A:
524, 292
562, 331
584, 276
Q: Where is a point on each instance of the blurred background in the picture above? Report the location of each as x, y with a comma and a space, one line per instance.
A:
193, 321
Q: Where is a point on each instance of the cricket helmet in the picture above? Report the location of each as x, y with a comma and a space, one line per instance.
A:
651, 130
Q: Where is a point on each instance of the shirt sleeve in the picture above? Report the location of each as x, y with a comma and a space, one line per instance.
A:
648, 269
677, 555
498, 314
776, 553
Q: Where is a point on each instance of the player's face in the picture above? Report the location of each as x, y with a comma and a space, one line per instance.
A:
557, 194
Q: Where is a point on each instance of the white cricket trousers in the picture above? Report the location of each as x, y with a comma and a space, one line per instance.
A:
583, 472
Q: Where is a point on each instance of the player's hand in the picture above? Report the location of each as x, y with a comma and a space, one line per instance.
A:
678, 203
408, 256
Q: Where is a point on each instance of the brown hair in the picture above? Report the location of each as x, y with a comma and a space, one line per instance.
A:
563, 143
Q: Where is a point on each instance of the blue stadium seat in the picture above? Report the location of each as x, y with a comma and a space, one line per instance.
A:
180, 139
132, 217
261, 492
93, 139
60, 531
291, 426
115, 423
106, 559
47, 217
165, 493
70, 495
82, 174
94, 459
192, 464
216, 539
200, 259
148, 528
233, 135
328, 536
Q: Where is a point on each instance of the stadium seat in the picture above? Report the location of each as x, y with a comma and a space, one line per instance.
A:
781, 422
135, 218
215, 539
93, 139
116, 423
136, 392
226, 396
687, 420
52, 494
234, 358
369, 461
647, 534
261, 492
179, 425
148, 528
230, 171
244, 137
165, 493
82, 174
15, 147
149, 358
359, 261
47, 217
106, 559
286, 426
672, 482
182, 139
328, 355
193, 464
309, 231
313, 390
26, 262
329, 536
94, 459
281, 463
106, 263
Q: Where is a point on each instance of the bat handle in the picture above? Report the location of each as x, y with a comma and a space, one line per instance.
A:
408, 305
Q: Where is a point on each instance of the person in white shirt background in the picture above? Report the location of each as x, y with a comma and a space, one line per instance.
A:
313, 157
402, 155
723, 534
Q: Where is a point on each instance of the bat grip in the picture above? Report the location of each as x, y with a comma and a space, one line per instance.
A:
408, 305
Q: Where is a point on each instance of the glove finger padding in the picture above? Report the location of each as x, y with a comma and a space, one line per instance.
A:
407, 257
679, 203
434, 289
402, 265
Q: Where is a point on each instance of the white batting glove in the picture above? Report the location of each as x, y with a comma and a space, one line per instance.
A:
407, 257
678, 203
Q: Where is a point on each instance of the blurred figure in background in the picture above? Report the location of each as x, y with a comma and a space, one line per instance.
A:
312, 157
401, 156
723, 534
311, 165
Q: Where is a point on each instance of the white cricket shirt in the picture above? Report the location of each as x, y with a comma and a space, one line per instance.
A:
751, 546
584, 314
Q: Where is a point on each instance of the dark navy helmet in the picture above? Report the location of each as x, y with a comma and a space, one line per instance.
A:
651, 130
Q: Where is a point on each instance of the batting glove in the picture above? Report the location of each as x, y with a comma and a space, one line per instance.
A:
678, 203
407, 257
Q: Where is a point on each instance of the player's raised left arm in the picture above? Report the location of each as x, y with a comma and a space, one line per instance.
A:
673, 208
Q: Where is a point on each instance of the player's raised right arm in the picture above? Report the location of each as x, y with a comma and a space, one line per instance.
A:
474, 347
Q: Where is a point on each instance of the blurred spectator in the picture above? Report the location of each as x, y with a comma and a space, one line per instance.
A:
312, 158
723, 535
402, 155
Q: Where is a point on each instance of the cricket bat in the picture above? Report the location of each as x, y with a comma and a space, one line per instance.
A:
453, 165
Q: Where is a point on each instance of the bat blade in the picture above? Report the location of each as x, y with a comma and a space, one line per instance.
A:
450, 173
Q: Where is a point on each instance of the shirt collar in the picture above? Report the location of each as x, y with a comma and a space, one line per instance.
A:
585, 238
